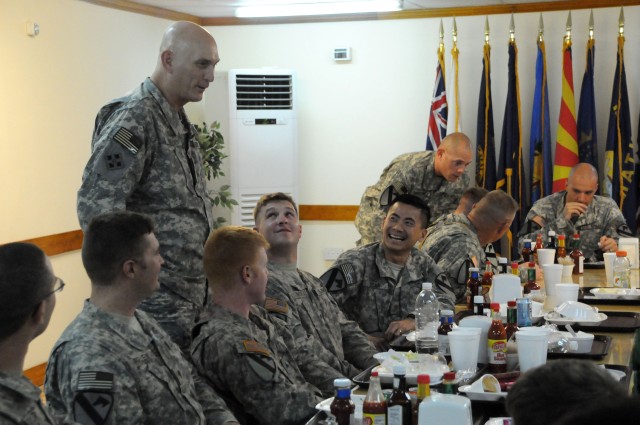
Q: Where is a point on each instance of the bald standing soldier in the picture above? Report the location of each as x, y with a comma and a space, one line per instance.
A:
145, 158
437, 178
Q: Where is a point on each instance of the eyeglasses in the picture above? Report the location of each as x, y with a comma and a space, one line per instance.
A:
58, 286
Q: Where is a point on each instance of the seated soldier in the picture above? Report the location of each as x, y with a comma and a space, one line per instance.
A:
300, 298
27, 297
458, 242
265, 375
377, 284
114, 364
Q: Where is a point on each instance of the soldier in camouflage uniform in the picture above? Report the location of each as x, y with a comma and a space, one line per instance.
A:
145, 158
578, 209
27, 299
438, 178
300, 299
113, 364
265, 375
458, 242
376, 285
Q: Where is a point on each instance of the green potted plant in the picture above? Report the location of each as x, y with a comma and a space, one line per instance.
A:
211, 149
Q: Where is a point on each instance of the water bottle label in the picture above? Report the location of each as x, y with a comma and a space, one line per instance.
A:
443, 345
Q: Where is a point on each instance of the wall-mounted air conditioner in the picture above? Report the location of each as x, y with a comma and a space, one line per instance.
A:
263, 137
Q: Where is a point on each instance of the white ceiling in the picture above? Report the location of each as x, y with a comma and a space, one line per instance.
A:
226, 8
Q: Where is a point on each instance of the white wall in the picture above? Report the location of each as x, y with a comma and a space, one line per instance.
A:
354, 117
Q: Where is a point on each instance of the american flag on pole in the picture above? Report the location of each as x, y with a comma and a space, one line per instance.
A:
437, 129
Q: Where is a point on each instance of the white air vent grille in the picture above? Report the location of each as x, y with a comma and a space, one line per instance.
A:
264, 92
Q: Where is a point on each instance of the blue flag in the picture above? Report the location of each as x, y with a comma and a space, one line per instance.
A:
486, 149
621, 182
510, 162
587, 134
540, 161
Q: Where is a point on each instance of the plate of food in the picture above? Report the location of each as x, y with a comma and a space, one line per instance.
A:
487, 388
616, 293
414, 363
558, 319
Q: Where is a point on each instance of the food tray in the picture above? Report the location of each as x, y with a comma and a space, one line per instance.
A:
599, 349
362, 379
585, 296
617, 321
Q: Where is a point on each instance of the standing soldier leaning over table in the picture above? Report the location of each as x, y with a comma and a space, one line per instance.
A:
437, 178
145, 158
376, 284
578, 209
300, 298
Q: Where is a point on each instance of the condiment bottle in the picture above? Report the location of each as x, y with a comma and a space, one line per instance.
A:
577, 255
478, 305
342, 408
497, 342
424, 391
531, 284
551, 243
487, 280
446, 325
473, 285
526, 250
503, 265
449, 383
399, 405
374, 407
514, 269
512, 319
561, 251
537, 246
621, 270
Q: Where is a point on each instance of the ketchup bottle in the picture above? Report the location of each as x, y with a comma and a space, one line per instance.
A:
374, 408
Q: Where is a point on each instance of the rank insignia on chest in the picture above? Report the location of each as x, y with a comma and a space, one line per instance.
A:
127, 139
94, 400
274, 305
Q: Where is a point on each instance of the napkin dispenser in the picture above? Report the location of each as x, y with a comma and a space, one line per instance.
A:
445, 409
631, 246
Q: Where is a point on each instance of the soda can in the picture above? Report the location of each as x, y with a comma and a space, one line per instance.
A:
523, 306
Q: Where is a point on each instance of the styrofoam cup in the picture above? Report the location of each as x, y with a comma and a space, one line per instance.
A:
608, 265
567, 271
566, 292
552, 274
546, 256
463, 343
532, 348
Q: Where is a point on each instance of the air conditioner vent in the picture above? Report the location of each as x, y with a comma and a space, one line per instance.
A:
271, 92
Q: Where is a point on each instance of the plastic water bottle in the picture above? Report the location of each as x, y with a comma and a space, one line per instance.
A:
427, 320
621, 270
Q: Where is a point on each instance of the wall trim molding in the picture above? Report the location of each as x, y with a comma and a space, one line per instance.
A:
132, 6
36, 374
59, 243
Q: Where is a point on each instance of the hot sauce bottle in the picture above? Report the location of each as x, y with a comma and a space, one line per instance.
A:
473, 284
531, 284
487, 280
374, 407
561, 251
537, 246
526, 250
577, 256
497, 342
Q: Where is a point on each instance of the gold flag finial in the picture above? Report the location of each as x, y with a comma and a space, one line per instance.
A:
591, 26
621, 21
441, 45
540, 29
454, 34
486, 30
568, 28
512, 30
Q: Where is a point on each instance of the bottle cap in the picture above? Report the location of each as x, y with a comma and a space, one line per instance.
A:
495, 306
511, 303
427, 285
551, 233
478, 299
374, 373
514, 265
449, 376
532, 264
576, 236
399, 370
446, 312
526, 240
561, 237
502, 260
621, 253
342, 383
424, 379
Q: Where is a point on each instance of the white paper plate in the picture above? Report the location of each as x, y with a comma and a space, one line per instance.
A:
325, 405
480, 395
554, 317
411, 336
386, 376
616, 293
618, 375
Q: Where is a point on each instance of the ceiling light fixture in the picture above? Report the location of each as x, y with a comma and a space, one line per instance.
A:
329, 8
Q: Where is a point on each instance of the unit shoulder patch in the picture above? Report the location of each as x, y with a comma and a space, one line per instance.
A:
94, 400
275, 305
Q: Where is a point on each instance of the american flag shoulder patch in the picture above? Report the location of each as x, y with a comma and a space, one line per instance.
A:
274, 305
127, 139
337, 279
92, 380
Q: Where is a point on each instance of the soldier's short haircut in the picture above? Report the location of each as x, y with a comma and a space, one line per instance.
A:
227, 250
496, 207
25, 280
471, 196
414, 201
272, 197
110, 240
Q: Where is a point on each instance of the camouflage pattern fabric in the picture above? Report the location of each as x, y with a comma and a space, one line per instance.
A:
300, 299
602, 217
258, 368
411, 173
20, 403
145, 158
370, 292
104, 371
453, 244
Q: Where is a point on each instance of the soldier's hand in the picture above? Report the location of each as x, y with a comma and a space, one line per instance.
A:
574, 209
379, 342
399, 327
607, 244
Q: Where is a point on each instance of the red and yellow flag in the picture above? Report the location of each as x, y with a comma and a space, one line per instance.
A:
567, 135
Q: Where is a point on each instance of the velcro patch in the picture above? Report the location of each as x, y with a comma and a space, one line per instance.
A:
127, 139
264, 367
339, 277
252, 346
274, 305
90, 380
92, 407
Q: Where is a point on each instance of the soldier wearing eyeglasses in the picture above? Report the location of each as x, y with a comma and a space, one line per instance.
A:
27, 299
